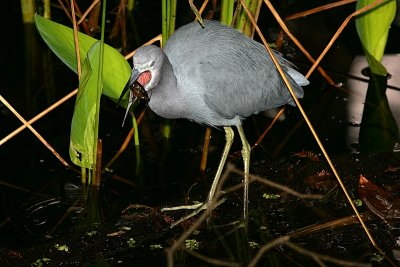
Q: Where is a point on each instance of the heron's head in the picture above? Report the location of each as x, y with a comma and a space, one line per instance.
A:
146, 73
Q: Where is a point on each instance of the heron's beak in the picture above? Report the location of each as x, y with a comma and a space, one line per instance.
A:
134, 76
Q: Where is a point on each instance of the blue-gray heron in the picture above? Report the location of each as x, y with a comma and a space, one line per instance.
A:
214, 76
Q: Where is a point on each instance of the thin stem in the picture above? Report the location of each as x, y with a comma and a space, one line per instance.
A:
96, 148
76, 40
339, 31
319, 9
41, 139
296, 41
314, 133
39, 116
90, 8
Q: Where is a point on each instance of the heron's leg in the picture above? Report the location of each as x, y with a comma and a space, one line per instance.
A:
229, 134
228, 143
246, 149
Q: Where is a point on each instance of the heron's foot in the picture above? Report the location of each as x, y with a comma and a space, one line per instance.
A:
197, 208
184, 207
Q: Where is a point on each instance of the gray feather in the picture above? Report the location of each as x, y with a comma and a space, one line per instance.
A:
217, 76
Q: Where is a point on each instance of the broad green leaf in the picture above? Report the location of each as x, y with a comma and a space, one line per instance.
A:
60, 39
82, 139
373, 29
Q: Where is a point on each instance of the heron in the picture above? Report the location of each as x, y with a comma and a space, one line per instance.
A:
215, 76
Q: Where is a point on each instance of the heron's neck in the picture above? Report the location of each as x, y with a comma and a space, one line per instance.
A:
165, 97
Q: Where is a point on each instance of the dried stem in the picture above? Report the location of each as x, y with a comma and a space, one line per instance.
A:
90, 8
41, 139
153, 40
213, 203
38, 116
270, 184
319, 9
203, 6
342, 222
79, 14
126, 141
65, 10
296, 41
269, 127
206, 145
339, 31
310, 126
76, 41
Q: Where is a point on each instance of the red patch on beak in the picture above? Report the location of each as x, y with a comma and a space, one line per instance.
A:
144, 78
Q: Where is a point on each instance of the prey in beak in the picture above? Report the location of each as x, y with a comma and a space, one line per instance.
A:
136, 91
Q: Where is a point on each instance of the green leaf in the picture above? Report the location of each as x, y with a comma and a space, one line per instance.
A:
82, 138
60, 39
115, 74
373, 29
375, 66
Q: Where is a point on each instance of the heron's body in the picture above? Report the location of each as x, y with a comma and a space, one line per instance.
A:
215, 76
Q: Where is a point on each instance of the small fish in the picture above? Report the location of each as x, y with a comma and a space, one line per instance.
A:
136, 91
139, 92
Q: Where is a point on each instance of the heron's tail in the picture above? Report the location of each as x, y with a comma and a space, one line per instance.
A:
297, 77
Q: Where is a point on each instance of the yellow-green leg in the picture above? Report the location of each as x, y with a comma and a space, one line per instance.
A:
229, 135
246, 149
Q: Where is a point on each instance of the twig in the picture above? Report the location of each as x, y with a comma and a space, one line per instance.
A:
65, 10
79, 14
126, 141
213, 203
48, 110
274, 185
196, 12
296, 42
203, 6
38, 116
153, 40
269, 127
94, 3
342, 222
319, 9
339, 31
311, 127
76, 41
34, 132
206, 145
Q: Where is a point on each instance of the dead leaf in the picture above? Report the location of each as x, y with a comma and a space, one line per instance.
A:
307, 154
379, 201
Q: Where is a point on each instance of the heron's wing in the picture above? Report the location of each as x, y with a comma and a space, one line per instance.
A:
233, 73
240, 84
291, 69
